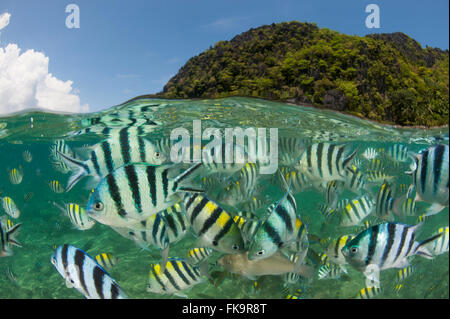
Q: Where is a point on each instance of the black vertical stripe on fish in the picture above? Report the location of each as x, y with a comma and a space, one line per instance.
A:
336, 249
308, 156
190, 201
281, 211
291, 200
165, 183
79, 262
319, 158
64, 259
98, 281
115, 194
330, 159
133, 182
144, 235
124, 145
107, 156
402, 243
152, 183
141, 144
390, 242
197, 209
171, 280
423, 170
339, 156
156, 276
188, 271
95, 163
272, 233
411, 241
171, 223
438, 158
155, 227
223, 231
114, 291
180, 217
372, 243
210, 221
180, 273
355, 210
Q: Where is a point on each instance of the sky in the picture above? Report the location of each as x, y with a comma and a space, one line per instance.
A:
123, 49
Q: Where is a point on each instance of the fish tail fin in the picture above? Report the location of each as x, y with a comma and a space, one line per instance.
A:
421, 248
79, 168
10, 235
183, 176
349, 158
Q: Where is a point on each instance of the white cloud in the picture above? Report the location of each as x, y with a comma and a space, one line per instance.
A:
25, 82
4, 20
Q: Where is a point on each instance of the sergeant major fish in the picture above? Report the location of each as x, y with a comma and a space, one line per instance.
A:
84, 274
124, 148
385, 246
134, 192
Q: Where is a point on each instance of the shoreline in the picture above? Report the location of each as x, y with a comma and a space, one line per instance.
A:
293, 103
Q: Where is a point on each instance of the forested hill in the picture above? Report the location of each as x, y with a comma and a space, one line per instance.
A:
385, 77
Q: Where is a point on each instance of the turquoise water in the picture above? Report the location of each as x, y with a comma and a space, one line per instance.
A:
44, 227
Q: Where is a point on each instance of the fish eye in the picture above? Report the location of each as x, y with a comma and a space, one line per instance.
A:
53, 260
157, 154
235, 247
354, 250
214, 243
260, 253
98, 206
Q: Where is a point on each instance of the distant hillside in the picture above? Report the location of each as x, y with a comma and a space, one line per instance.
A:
384, 77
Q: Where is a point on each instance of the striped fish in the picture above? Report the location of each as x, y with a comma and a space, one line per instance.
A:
299, 182
27, 156
56, 186
83, 273
198, 254
356, 211
368, 293
134, 192
60, 146
370, 153
278, 229
16, 176
404, 273
120, 149
106, 260
384, 201
214, 227
378, 177
333, 249
292, 277
385, 246
77, 215
407, 205
7, 238
248, 223
178, 275
160, 229
440, 245
325, 162
10, 207
290, 149
253, 204
355, 180
243, 187
398, 153
332, 193
430, 177
330, 271
376, 165
215, 160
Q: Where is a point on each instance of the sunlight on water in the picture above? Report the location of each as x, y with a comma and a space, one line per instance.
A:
28, 273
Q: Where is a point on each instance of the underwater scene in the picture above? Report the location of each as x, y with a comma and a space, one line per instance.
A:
325, 205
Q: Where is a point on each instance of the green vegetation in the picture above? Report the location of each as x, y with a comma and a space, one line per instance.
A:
383, 77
